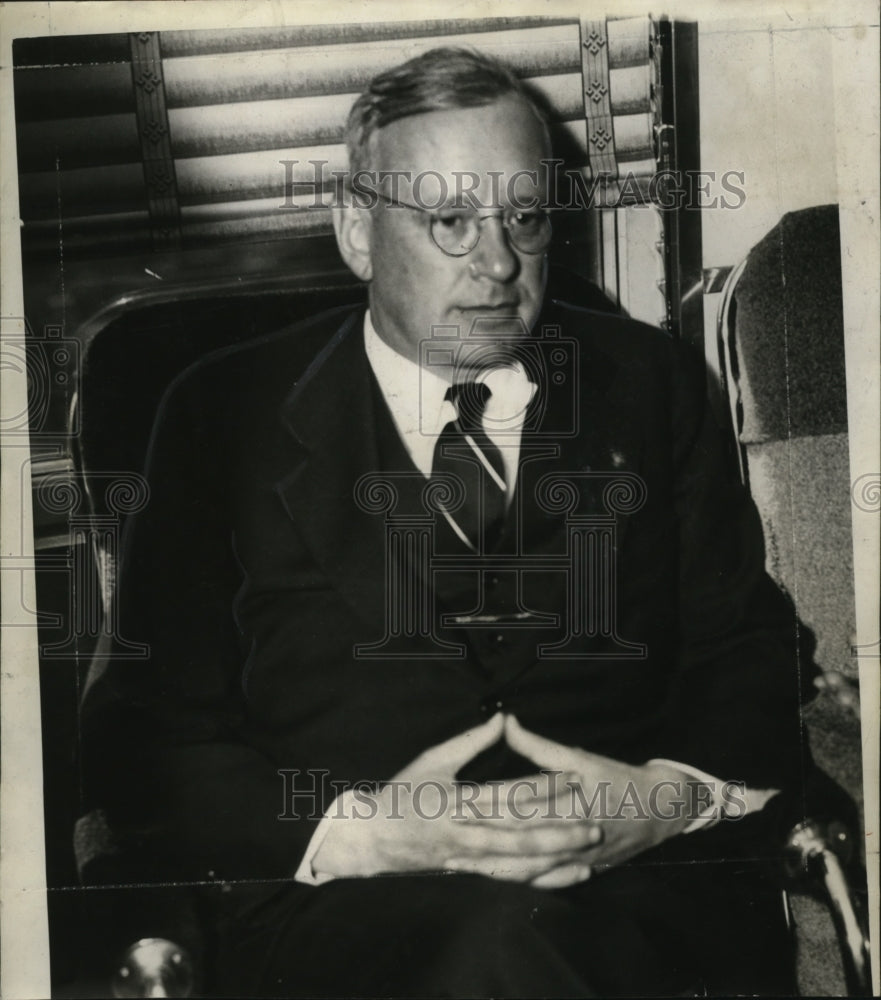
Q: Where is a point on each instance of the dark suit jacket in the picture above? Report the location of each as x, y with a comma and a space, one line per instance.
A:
253, 574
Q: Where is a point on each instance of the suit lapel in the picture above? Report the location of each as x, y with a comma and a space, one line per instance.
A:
608, 442
330, 413
580, 432
580, 437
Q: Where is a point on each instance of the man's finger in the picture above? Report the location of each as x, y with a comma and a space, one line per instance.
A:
544, 794
546, 788
563, 876
446, 758
514, 837
544, 752
509, 868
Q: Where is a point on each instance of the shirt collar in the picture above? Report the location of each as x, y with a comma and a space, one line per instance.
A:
414, 395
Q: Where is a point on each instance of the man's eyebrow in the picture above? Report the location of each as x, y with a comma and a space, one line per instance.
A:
455, 205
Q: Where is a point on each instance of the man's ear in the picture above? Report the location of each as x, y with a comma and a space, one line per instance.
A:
352, 228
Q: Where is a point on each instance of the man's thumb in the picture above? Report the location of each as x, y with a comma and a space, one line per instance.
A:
544, 752
446, 758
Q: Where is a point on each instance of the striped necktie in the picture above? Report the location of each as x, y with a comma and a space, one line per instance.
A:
464, 451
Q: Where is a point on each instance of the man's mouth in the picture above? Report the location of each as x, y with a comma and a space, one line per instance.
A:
500, 307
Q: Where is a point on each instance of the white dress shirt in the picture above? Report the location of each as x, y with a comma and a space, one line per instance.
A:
415, 396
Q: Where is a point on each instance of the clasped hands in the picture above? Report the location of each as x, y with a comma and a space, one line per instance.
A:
579, 814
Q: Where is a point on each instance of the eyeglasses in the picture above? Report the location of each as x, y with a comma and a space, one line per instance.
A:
456, 230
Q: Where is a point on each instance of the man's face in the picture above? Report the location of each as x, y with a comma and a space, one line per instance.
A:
415, 285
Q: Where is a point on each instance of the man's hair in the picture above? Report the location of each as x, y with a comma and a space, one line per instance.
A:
437, 80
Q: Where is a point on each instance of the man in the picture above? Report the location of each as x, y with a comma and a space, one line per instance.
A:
590, 615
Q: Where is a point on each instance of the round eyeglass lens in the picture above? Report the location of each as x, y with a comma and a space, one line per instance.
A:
529, 231
457, 232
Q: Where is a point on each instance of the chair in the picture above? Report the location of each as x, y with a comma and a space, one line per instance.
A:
172, 943
146, 347
781, 348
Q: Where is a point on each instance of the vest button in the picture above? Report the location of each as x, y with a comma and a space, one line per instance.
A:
491, 705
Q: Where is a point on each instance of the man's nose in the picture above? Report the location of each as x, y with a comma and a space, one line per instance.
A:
494, 257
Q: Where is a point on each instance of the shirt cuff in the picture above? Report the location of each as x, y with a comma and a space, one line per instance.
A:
726, 799
305, 872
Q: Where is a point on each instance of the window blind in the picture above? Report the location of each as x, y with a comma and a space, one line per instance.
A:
186, 138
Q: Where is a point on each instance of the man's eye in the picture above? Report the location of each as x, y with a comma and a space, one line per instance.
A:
452, 220
526, 221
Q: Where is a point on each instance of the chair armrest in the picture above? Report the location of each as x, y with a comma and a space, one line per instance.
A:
816, 854
154, 967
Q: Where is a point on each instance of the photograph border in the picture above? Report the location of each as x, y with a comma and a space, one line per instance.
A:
854, 28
